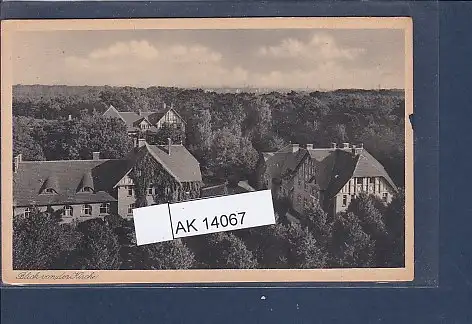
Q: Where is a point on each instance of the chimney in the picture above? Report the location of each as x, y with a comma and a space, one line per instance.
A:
69, 117
359, 148
17, 161
164, 105
309, 146
333, 145
345, 145
141, 142
354, 149
169, 145
96, 155
139, 112
295, 148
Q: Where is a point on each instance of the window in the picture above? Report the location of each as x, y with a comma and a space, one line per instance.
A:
27, 212
385, 196
344, 200
359, 181
150, 191
87, 189
130, 208
105, 208
86, 210
67, 211
50, 191
130, 191
372, 180
353, 197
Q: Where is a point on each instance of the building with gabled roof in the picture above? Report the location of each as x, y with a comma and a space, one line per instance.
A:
79, 190
331, 176
145, 124
227, 188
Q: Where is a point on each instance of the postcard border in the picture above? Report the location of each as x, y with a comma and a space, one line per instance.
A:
10, 276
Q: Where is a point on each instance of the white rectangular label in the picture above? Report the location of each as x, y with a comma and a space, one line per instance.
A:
222, 214
152, 224
165, 222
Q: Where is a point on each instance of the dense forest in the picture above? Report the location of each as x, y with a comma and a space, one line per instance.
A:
225, 132
368, 234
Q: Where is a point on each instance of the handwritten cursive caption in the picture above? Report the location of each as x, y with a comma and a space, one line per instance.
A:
39, 275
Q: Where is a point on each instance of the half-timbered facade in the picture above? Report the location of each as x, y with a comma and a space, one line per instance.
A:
330, 176
145, 124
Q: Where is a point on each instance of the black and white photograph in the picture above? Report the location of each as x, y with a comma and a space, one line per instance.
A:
107, 120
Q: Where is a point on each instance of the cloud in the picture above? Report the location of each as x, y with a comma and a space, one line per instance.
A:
319, 47
317, 62
142, 50
144, 64
329, 75
133, 49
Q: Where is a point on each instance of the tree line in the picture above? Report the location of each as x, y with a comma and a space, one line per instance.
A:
368, 234
225, 131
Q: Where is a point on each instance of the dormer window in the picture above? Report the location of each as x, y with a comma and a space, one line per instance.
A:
49, 191
86, 184
50, 186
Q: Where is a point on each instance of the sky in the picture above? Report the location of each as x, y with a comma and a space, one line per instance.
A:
284, 58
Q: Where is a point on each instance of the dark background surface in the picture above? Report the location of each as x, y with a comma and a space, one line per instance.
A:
445, 301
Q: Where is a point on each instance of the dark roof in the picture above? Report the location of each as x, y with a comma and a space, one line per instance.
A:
283, 162
156, 116
180, 163
225, 189
132, 119
86, 181
67, 177
50, 183
334, 166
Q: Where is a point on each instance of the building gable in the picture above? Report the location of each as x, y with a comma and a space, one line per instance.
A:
111, 112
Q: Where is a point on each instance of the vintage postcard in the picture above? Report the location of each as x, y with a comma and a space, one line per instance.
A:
207, 150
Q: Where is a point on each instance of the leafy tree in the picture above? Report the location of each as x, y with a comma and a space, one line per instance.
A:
305, 252
167, 255
349, 245
126, 99
227, 251
99, 248
231, 153
258, 119
199, 130
23, 141
97, 133
176, 134
364, 206
395, 223
37, 241
271, 142
269, 244
316, 219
